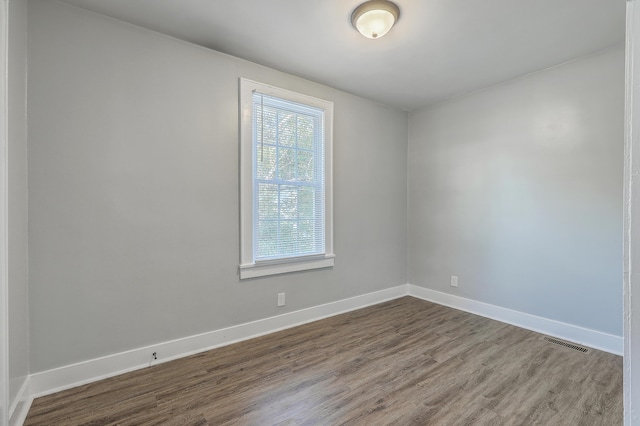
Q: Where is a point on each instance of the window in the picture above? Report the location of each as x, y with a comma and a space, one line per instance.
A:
285, 181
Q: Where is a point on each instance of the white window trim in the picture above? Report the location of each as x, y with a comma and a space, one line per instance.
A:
249, 268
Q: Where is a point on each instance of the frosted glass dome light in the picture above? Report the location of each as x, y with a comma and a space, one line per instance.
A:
375, 18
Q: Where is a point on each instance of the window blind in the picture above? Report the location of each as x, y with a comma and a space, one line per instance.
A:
288, 184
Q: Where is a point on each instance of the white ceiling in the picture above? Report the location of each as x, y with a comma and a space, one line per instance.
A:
437, 50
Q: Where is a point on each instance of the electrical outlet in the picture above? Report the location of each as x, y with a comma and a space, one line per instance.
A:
454, 281
281, 299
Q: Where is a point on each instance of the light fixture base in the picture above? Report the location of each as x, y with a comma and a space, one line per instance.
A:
374, 18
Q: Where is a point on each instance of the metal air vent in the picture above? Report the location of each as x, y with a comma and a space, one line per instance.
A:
566, 344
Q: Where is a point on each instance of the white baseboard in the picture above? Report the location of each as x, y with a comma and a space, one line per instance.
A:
50, 381
20, 406
573, 333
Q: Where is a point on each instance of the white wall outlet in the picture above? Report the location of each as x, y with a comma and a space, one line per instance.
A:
281, 299
454, 281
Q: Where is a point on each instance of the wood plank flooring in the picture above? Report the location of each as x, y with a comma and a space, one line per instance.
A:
403, 362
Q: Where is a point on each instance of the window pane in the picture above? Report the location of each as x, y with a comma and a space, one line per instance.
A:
288, 202
267, 201
306, 201
305, 166
288, 237
287, 128
267, 239
306, 236
270, 125
286, 163
305, 131
266, 162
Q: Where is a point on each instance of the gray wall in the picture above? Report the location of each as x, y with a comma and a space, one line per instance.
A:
17, 198
517, 189
133, 191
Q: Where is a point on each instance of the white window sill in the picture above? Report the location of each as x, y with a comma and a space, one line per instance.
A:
262, 269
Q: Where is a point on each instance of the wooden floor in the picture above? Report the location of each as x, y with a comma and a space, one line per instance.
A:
404, 362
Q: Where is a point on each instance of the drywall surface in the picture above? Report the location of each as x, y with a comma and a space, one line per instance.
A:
133, 180
17, 198
517, 190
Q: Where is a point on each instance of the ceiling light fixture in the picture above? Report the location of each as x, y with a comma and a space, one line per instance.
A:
374, 18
